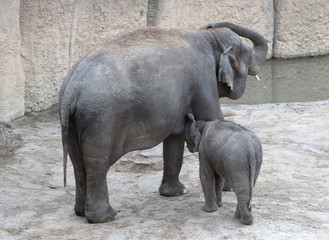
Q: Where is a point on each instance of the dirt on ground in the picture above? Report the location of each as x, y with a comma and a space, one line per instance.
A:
290, 199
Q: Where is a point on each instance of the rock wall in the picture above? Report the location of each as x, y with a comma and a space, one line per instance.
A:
257, 14
301, 28
55, 34
50, 36
11, 73
45, 30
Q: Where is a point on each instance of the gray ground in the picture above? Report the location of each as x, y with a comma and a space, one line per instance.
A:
290, 200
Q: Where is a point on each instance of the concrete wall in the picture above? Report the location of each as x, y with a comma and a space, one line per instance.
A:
11, 73
55, 34
257, 14
301, 28
45, 30
50, 36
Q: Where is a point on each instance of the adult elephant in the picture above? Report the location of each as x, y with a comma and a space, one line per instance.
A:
134, 92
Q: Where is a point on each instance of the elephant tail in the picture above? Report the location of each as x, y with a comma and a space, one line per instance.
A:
64, 112
65, 151
66, 103
252, 179
252, 167
255, 162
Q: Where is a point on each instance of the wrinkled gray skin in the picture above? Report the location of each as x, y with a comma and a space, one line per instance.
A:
227, 152
134, 91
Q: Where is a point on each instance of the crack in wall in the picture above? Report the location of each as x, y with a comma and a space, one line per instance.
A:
274, 27
153, 10
75, 2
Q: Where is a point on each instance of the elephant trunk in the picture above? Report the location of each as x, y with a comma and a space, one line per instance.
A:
260, 48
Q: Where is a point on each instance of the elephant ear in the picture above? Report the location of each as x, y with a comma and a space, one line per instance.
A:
190, 117
225, 70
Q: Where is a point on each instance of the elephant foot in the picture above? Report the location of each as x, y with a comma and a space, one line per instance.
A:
245, 218
210, 208
79, 210
169, 189
101, 217
237, 213
219, 203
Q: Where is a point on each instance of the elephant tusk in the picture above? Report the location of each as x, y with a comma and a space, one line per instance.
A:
256, 76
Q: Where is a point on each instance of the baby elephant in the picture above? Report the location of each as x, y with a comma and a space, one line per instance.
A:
227, 152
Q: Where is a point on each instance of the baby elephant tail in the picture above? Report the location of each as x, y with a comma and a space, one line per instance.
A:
252, 166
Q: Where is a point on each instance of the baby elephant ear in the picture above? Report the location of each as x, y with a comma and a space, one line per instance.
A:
190, 117
225, 70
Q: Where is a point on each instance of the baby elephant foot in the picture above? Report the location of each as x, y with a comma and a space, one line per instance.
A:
237, 213
101, 217
245, 218
171, 189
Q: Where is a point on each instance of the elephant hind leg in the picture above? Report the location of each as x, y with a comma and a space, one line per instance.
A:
243, 212
208, 182
218, 188
98, 208
79, 172
96, 156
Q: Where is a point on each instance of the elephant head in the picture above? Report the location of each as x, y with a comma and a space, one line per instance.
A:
193, 133
236, 60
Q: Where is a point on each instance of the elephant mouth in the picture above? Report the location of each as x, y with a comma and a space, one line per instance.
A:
224, 90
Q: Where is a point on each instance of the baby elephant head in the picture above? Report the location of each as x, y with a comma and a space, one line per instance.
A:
192, 134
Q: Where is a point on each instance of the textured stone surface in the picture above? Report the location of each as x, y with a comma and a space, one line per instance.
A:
11, 73
94, 23
57, 33
45, 29
258, 14
52, 35
301, 28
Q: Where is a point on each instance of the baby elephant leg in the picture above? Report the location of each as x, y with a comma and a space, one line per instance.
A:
208, 178
226, 187
219, 187
243, 212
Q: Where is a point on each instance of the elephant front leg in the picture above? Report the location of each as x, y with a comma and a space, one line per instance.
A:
173, 149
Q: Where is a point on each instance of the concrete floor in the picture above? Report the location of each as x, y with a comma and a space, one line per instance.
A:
290, 199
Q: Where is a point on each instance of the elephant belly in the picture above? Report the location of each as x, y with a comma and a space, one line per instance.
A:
144, 135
